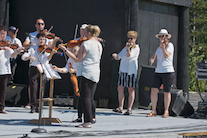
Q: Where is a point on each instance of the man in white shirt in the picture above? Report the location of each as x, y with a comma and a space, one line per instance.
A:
12, 33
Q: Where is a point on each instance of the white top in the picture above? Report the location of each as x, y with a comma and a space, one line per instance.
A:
34, 38
31, 53
67, 66
89, 67
129, 64
165, 65
15, 41
5, 61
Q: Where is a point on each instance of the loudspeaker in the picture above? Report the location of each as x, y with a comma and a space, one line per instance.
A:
178, 101
14, 94
145, 83
188, 110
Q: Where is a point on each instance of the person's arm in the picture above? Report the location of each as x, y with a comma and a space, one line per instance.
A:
17, 52
152, 59
81, 53
165, 53
27, 44
52, 53
60, 70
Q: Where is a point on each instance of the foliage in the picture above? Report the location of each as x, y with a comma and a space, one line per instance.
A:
198, 41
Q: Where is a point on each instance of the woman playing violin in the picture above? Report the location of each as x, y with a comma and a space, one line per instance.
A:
164, 72
5, 70
34, 77
88, 71
127, 71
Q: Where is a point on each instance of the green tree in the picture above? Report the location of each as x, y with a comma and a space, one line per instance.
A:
198, 41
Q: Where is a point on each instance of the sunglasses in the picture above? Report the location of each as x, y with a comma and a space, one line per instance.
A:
131, 38
40, 23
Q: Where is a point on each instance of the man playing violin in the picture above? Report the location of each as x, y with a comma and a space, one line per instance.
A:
5, 70
12, 37
34, 75
31, 39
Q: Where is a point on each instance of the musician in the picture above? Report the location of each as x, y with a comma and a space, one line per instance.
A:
127, 71
34, 75
88, 71
31, 39
164, 72
67, 68
5, 54
12, 37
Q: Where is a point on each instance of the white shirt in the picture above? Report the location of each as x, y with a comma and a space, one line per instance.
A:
5, 61
129, 64
15, 41
165, 65
67, 66
33, 52
33, 37
89, 67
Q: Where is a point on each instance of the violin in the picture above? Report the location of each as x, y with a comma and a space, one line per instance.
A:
4, 43
74, 82
76, 42
48, 49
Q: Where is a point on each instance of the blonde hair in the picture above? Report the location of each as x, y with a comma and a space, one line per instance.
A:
94, 30
133, 34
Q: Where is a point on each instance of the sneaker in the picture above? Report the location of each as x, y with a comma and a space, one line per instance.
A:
77, 120
27, 106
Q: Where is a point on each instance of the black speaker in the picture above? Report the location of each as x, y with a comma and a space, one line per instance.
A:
14, 94
178, 101
145, 83
188, 110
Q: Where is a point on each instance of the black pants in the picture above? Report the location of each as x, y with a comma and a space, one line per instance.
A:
80, 111
3, 85
34, 82
87, 103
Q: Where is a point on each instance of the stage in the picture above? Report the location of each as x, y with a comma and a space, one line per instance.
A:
109, 124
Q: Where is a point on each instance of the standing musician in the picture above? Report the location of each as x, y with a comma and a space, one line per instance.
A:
164, 72
127, 71
34, 74
31, 38
88, 71
5, 54
12, 37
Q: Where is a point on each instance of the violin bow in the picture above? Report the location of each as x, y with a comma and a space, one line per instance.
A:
76, 29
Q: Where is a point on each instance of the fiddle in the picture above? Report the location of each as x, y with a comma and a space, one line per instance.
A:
75, 42
4, 43
74, 82
43, 48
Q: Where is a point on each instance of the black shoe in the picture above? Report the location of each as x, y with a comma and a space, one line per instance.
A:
37, 110
77, 120
32, 111
117, 110
128, 112
93, 121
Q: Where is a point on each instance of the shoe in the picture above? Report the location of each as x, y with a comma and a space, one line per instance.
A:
28, 106
3, 111
84, 125
93, 121
165, 115
151, 114
128, 112
32, 111
117, 110
37, 110
77, 120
